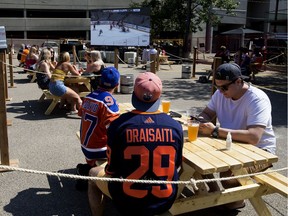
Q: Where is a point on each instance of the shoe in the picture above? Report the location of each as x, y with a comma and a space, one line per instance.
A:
83, 169
73, 112
81, 185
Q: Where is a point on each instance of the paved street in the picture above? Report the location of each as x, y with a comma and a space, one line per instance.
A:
49, 143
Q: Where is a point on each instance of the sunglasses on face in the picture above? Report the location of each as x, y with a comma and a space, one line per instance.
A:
225, 87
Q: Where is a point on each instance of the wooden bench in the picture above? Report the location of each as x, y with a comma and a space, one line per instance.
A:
55, 99
48, 95
33, 74
275, 182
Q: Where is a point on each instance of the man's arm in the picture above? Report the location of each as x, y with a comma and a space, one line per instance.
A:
251, 135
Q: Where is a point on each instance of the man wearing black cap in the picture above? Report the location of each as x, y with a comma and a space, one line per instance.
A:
143, 144
241, 109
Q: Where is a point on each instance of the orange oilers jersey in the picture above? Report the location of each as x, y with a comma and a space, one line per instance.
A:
98, 110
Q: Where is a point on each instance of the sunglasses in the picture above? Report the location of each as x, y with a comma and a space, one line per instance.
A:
225, 87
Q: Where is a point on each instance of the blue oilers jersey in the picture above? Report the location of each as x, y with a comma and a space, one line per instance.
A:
146, 146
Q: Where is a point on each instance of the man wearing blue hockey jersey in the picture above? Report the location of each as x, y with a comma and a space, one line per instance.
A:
143, 144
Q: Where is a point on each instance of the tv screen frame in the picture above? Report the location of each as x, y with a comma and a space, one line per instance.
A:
120, 27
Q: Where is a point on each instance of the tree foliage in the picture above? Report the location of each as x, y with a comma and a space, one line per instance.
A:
173, 15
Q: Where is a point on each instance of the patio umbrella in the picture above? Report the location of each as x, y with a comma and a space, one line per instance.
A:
242, 32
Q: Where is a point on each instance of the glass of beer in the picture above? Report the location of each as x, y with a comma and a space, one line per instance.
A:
193, 128
166, 106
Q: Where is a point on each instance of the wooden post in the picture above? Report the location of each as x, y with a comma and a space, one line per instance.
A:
157, 59
194, 62
116, 60
216, 63
3, 118
11, 70
3, 59
74, 55
137, 57
153, 63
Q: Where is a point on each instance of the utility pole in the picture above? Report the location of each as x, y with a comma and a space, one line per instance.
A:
188, 23
276, 16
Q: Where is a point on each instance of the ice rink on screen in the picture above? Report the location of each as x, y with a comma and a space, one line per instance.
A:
116, 37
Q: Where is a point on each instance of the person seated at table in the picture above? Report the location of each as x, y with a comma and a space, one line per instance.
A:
31, 58
244, 111
100, 107
224, 54
242, 58
57, 87
137, 149
24, 52
94, 65
54, 56
44, 66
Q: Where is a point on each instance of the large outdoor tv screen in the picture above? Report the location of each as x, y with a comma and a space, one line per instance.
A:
120, 27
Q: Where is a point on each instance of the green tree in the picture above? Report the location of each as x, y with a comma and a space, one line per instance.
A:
184, 16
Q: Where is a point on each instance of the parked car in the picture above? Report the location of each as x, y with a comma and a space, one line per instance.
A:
51, 44
67, 45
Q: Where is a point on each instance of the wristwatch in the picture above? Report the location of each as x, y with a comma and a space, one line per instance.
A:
215, 132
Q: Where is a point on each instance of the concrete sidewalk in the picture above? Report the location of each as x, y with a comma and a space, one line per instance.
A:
49, 143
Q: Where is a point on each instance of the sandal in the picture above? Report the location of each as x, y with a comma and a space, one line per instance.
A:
73, 112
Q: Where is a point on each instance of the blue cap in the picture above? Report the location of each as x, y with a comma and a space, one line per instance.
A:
109, 77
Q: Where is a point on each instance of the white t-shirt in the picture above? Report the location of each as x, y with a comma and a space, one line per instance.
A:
253, 108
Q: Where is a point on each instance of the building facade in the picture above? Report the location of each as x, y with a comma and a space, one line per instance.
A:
53, 19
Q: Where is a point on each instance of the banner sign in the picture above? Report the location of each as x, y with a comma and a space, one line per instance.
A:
3, 41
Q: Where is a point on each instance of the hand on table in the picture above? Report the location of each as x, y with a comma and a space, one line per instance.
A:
206, 128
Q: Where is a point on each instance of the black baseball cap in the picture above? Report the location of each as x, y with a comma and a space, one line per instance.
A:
229, 71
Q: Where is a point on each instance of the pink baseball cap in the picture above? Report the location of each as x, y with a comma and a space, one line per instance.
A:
147, 92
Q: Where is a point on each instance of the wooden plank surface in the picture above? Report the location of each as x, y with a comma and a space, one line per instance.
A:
202, 166
271, 158
230, 161
221, 146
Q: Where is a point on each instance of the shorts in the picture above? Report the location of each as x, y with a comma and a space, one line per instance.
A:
94, 153
103, 185
57, 88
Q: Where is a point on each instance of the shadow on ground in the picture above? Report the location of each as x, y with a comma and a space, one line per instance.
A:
34, 110
60, 199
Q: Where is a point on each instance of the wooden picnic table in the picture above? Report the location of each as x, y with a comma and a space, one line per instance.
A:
79, 80
206, 156
73, 83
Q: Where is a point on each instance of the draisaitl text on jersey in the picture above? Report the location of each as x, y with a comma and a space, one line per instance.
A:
149, 135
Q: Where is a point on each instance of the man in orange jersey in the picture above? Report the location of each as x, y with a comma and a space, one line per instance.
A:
144, 144
98, 110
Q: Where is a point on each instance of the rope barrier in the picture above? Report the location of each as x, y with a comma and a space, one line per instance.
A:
192, 181
272, 90
133, 68
273, 58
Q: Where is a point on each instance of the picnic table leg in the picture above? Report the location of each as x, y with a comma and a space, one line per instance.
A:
186, 174
260, 206
257, 202
33, 78
43, 96
52, 106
